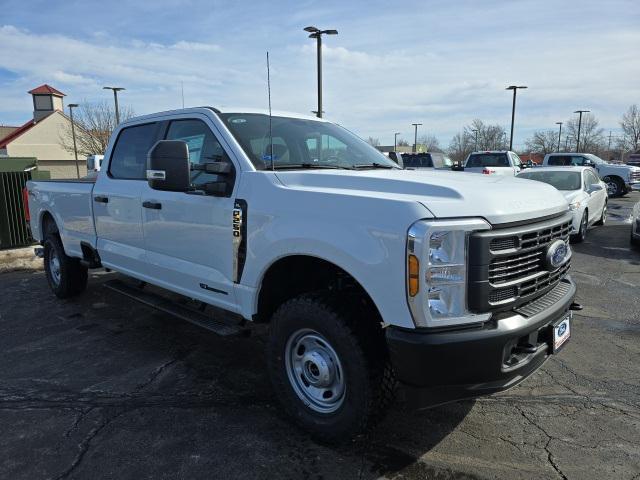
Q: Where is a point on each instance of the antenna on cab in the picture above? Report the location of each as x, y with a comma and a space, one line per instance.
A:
270, 129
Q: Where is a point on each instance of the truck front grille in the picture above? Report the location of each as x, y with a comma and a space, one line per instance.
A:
507, 267
635, 176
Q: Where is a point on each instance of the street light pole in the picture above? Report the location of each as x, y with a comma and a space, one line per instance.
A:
513, 110
115, 99
579, 126
415, 137
475, 130
395, 141
317, 34
73, 135
559, 134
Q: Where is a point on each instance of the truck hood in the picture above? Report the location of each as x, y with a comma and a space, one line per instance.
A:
498, 199
621, 168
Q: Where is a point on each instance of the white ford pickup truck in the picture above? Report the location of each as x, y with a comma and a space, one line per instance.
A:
372, 279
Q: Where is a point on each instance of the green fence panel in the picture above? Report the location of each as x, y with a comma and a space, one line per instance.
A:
14, 231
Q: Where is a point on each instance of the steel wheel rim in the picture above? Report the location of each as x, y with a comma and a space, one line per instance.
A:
583, 227
315, 371
612, 187
604, 214
54, 267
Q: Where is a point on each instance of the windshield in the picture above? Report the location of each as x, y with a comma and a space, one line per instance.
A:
301, 143
560, 180
487, 160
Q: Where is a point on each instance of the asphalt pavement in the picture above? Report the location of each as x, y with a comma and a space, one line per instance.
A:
101, 387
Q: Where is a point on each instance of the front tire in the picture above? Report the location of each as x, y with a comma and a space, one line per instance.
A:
65, 275
328, 364
582, 233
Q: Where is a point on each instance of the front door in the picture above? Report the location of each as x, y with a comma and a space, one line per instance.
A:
189, 236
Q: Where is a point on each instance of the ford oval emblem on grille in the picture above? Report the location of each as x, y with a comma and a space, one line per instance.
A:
557, 254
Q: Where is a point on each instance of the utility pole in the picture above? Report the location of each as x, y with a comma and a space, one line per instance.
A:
395, 141
73, 135
559, 134
317, 34
415, 137
513, 110
476, 144
609, 146
115, 99
579, 127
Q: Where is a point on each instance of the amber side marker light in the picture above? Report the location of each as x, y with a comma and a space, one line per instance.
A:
414, 276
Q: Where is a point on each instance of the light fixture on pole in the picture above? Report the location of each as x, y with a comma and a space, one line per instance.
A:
316, 33
395, 141
513, 110
115, 99
559, 134
73, 135
415, 137
579, 127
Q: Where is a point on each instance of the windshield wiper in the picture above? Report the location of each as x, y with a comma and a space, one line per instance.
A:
362, 166
293, 166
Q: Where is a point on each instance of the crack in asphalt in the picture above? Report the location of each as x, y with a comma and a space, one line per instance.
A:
85, 445
550, 456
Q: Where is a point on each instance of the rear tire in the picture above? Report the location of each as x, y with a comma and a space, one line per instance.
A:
615, 186
66, 276
328, 364
582, 233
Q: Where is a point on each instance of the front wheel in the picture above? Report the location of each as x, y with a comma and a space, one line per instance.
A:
329, 365
582, 232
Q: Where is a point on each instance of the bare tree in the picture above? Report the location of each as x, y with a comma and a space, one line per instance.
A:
402, 142
543, 141
591, 135
374, 142
461, 145
94, 123
430, 143
630, 124
490, 137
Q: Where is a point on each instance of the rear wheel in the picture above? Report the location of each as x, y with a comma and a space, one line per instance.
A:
615, 186
66, 276
329, 365
582, 232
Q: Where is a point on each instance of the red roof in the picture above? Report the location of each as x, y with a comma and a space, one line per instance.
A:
46, 90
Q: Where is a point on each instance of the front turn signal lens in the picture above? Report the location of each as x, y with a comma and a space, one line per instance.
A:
414, 275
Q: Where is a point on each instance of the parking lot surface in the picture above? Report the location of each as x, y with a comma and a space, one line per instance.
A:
102, 387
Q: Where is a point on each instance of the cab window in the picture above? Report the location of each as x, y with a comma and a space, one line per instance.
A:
204, 147
129, 157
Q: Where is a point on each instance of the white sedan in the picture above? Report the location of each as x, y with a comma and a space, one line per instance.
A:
635, 225
584, 191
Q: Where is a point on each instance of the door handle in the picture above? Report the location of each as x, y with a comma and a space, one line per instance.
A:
152, 205
100, 199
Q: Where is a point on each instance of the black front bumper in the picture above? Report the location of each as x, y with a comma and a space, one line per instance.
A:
436, 367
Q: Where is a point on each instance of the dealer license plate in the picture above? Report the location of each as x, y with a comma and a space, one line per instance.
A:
561, 332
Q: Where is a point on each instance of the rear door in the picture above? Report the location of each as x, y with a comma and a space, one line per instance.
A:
116, 200
189, 236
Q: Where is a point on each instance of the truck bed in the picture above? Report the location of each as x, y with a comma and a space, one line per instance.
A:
69, 202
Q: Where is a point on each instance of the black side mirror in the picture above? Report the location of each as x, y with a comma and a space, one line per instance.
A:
168, 166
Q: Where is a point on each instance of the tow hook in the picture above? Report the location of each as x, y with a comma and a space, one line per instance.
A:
38, 252
576, 306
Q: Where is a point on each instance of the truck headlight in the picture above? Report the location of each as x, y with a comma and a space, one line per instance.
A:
439, 252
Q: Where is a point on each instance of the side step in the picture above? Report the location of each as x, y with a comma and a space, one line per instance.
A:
165, 305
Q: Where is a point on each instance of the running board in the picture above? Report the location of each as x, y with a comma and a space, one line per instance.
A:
167, 306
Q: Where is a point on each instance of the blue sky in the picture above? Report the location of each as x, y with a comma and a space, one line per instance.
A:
440, 63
